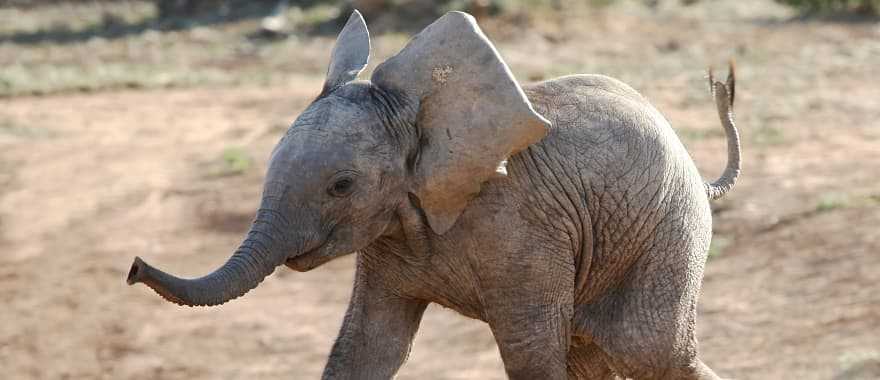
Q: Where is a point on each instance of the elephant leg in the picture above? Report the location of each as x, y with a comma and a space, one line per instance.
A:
534, 343
587, 361
647, 326
531, 323
377, 331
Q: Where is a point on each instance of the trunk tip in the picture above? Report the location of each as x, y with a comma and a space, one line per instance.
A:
136, 273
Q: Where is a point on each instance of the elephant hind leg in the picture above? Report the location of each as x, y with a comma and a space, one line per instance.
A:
646, 326
586, 361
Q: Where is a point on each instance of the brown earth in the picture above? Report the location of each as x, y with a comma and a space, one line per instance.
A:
792, 290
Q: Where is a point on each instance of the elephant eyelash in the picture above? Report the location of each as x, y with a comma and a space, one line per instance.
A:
343, 185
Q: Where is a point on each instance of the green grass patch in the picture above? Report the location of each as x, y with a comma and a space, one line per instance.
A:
232, 161
698, 134
831, 202
236, 160
768, 136
718, 245
10, 128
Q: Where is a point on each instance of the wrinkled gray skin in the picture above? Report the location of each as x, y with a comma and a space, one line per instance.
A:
585, 258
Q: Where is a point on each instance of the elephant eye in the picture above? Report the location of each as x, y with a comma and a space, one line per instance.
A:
342, 187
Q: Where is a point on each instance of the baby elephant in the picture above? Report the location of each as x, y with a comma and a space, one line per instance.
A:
565, 214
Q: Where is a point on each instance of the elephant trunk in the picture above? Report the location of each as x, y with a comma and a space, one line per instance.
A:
257, 257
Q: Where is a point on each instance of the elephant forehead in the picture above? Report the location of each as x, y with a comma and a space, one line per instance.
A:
320, 143
304, 168
311, 153
331, 115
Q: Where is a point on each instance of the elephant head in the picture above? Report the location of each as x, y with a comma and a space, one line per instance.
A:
437, 120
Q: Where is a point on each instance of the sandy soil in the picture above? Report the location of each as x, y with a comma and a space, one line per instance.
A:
87, 181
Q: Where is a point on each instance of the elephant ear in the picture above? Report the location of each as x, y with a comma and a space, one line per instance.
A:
350, 54
472, 114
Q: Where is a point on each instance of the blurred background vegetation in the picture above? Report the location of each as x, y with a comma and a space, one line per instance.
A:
53, 46
864, 7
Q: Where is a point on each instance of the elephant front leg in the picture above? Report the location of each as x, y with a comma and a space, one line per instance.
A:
376, 334
533, 340
528, 297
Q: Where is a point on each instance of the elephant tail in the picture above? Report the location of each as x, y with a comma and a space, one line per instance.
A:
723, 93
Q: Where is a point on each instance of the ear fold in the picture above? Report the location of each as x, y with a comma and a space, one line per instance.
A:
350, 54
472, 114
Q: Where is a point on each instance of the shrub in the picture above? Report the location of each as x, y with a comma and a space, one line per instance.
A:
863, 7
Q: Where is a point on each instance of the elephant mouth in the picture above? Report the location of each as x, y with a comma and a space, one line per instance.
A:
309, 260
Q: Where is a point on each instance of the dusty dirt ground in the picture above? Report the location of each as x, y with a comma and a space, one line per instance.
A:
792, 290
